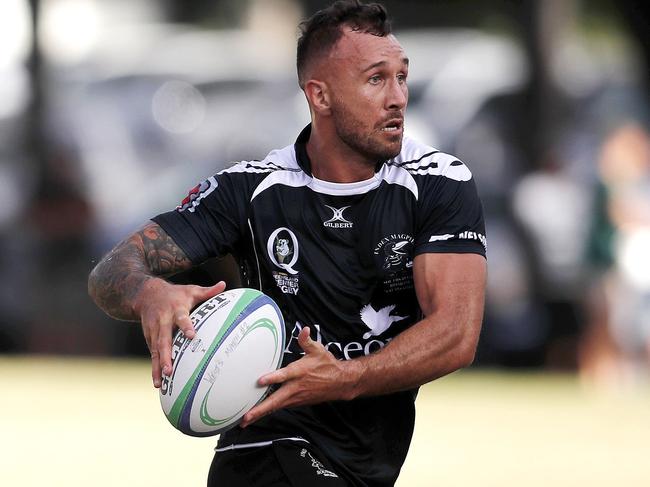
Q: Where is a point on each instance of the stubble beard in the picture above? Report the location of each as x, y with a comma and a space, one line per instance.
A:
353, 133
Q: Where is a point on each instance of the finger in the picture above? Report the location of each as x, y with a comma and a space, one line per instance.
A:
156, 375
276, 377
275, 401
151, 336
306, 343
183, 321
164, 346
205, 293
147, 338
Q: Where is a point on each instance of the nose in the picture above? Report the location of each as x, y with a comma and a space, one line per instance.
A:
397, 96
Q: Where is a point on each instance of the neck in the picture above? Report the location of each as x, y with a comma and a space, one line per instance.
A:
333, 160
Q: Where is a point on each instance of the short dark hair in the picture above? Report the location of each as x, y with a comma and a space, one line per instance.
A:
320, 32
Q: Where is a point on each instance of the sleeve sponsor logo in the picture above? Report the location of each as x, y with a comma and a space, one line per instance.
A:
467, 235
197, 193
436, 238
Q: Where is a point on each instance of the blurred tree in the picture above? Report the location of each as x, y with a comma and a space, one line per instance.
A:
636, 15
34, 133
541, 24
214, 13
441, 13
58, 220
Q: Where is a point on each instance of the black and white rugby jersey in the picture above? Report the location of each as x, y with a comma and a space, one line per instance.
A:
339, 259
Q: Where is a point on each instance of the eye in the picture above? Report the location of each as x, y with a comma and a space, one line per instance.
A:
374, 80
401, 78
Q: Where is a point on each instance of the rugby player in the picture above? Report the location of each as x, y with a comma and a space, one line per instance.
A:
372, 244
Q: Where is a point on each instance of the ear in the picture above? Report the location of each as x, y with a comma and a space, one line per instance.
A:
318, 96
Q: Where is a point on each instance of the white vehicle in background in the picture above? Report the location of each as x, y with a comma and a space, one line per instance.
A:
151, 125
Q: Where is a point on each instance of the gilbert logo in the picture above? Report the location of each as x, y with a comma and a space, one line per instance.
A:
338, 220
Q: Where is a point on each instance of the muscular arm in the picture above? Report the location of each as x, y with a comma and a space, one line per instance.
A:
129, 284
116, 281
450, 290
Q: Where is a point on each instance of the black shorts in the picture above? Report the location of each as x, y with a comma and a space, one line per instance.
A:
280, 464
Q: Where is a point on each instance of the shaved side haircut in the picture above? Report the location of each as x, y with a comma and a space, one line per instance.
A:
321, 31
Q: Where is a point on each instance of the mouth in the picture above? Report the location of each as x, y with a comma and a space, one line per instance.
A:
393, 125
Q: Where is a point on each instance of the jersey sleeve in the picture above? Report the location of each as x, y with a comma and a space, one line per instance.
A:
450, 214
212, 218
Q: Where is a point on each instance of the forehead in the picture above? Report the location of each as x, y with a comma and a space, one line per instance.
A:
362, 49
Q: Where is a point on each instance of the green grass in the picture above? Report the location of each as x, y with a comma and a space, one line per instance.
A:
79, 422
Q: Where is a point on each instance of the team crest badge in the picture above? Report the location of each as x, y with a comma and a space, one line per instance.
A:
283, 251
394, 255
197, 193
396, 250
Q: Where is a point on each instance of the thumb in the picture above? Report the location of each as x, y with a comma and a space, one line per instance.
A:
306, 343
205, 293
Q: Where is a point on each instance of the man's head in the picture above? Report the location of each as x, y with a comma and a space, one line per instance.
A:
353, 72
322, 31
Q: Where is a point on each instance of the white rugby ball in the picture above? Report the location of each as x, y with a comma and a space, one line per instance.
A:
213, 383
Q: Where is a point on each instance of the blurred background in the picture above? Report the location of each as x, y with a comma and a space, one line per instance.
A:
110, 110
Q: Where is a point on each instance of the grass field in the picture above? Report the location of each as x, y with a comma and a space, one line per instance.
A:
81, 422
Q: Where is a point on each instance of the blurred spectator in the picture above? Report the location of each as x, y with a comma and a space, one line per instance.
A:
61, 319
617, 345
554, 210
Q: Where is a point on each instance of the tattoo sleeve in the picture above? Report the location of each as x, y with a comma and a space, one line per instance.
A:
117, 279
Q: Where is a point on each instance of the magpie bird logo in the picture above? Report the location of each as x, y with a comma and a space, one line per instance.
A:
395, 253
338, 220
378, 320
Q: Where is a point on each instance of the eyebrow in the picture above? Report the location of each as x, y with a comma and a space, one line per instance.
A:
405, 61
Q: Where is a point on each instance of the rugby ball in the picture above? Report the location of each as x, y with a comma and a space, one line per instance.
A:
213, 382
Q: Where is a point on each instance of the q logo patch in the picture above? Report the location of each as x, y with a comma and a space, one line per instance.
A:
282, 247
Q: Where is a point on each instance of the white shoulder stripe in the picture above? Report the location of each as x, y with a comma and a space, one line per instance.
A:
439, 164
423, 160
242, 168
286, 178
457, 173
413, 151
276, 160
398, 175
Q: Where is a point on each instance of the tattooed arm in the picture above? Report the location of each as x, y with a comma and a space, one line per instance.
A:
117, 280
128, 284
